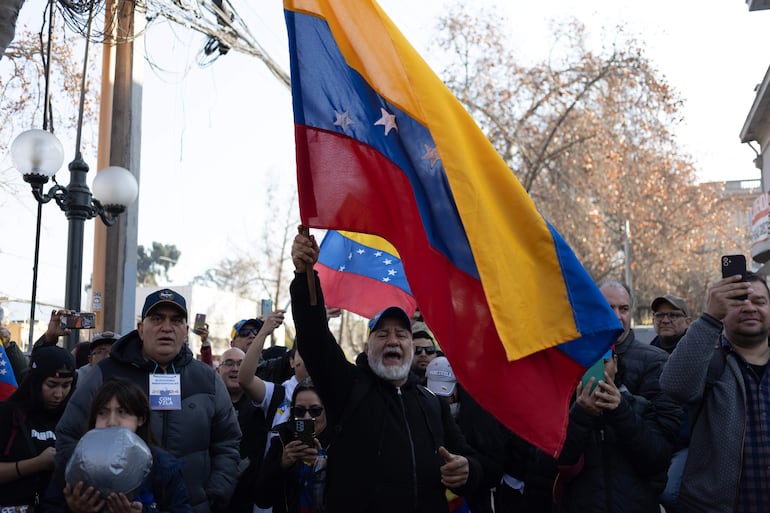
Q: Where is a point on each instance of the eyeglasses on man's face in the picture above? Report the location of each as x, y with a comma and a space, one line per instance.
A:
231, 363
245, 332
671, 316
427, 350
299, 412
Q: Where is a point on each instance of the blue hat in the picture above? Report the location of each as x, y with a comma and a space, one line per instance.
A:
243, 322
391, 312
164, 296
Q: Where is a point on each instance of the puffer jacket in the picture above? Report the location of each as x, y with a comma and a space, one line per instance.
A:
204, 434
619, 455
639, 368
384, 454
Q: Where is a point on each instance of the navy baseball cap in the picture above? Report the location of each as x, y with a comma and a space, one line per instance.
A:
167, 297
391, 312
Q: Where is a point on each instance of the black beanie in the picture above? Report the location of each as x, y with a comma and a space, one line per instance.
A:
48, 361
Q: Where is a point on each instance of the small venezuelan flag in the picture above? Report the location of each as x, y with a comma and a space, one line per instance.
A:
362, 273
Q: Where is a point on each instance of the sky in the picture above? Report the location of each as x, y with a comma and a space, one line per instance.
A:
217, 139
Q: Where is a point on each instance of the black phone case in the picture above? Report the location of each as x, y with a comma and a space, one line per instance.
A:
732, 265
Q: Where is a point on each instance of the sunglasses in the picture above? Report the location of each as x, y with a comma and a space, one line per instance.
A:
245, 332
427, 350
299, 411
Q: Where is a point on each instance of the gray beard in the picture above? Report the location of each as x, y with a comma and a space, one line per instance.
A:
390, 372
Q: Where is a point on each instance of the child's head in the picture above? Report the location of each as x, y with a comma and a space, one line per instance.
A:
119, 402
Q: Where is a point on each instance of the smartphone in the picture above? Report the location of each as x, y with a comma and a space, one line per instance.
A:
732, 265
266, 308
304, 430
79, 321
596, 371
200, 322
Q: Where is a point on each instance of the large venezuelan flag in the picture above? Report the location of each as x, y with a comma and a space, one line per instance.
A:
384, 148
362, 273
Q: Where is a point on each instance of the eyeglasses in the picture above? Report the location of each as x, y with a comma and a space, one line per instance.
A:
299, 411
231, 363
659, 316
245, 332
427, 350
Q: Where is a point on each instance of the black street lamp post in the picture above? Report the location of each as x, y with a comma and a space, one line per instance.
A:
37, 154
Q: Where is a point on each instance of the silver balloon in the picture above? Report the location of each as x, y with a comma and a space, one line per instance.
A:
111, 460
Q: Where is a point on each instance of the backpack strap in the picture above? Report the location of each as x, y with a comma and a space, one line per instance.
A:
715, 370
716, 365
279, 394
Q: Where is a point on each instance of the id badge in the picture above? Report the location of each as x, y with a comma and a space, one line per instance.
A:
165, 392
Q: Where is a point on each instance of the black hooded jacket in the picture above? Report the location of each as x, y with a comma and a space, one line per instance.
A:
384, 453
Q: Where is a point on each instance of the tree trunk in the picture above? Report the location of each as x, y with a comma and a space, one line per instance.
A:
9, 12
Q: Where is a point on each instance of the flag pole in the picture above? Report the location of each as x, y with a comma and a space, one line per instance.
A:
304, 230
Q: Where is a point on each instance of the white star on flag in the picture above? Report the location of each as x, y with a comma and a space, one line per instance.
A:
3, 372
350, 256
386, 279
392, 272
343, 120
342, 268
360, 251
387, 120
431, 154
387, 261
378, 253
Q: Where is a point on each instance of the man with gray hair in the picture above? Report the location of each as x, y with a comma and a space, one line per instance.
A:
640, 364
396, 445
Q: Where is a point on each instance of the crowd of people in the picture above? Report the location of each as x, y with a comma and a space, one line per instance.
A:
678, 424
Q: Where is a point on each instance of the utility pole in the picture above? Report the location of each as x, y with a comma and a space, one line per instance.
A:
627, 251
114, 280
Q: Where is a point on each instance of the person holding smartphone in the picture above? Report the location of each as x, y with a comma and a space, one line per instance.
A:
719, 368
615, 450
294, 473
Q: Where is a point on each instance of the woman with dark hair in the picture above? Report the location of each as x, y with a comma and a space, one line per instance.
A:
293, 475
121, 403
27, 427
